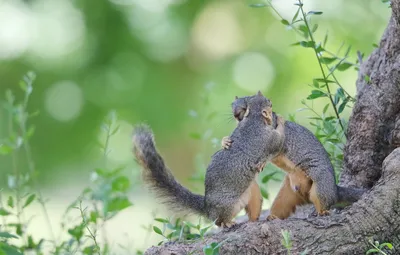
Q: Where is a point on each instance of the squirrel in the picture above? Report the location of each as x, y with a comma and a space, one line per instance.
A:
230, 181
310, 176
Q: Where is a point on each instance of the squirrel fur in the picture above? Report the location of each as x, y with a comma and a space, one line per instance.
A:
230, 177
310, 175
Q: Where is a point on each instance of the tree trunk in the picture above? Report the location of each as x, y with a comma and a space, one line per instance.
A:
371, 160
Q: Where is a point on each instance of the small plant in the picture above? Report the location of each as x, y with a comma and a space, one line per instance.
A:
286, 240
180, 230
378, 248
330, 129
103, 200
213, 248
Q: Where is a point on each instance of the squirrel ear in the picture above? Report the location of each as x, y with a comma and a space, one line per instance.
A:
236, 97
259, 93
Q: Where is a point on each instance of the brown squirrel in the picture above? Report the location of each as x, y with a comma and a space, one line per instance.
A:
310, 176
230, 182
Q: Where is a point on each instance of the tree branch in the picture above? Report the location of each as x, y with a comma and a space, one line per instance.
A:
376, 215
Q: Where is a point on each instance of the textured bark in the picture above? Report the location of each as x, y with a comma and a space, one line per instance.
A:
374, 126
371, 160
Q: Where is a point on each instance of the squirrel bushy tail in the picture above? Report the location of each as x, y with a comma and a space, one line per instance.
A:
159, 177
349, 194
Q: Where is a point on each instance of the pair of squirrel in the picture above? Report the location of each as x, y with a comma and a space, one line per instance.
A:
230, 183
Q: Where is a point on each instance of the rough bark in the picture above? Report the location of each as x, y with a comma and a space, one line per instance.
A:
371, 160
374, 126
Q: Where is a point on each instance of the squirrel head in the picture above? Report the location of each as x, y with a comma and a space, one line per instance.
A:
257, 104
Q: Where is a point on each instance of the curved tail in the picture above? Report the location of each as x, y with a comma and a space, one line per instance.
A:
159, 177
349, 194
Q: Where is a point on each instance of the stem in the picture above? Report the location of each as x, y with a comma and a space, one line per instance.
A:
380, 251
93, 235
4, 218
320, 64
15, 169
31, 165
337, 82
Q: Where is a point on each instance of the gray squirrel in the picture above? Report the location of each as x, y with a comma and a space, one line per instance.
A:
230, 181
310, 176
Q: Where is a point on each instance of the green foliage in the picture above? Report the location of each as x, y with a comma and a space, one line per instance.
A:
101, 201
286, 240
213, 248
180, 230
330, 128
378, 248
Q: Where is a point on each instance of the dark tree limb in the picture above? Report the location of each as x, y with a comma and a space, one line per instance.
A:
370, 160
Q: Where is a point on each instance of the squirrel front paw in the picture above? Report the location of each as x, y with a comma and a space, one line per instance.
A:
272, 217
226, 142
228, 224
314, 213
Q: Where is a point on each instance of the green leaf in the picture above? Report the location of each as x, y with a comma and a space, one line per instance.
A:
304, 29
343, 66
118, 204
7, 249
307, 44
10, 202
315, 27
161, 220
29, 200
325, 40
367, 78
92, 249
371, 251
94, 216
388, 245
7, 235
285, 22
325, 109
315, 83
314, 13
319, 48
316, 94
326, 60
321, 80
258, 5
375, 45
121, 183
4, 212
157, 230
268, 177
76, 232
329, 118
264, 193
296, 15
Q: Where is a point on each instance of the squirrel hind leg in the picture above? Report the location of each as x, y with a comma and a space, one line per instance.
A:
321, 208
285, 202
253, 207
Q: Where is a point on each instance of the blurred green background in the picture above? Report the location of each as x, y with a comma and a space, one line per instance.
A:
174, 64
